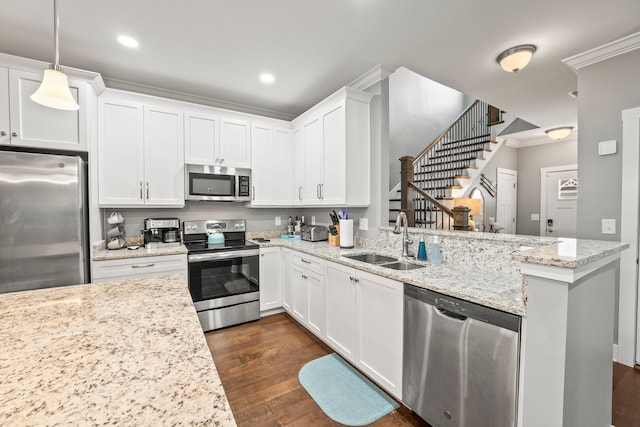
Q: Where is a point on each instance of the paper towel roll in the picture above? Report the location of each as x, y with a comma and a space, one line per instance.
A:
346, 233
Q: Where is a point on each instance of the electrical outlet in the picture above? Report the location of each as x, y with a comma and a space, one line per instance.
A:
278, 221
364, 224
313, 220
608, 226
535, 217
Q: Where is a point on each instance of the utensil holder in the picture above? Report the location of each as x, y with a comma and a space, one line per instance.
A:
335, 240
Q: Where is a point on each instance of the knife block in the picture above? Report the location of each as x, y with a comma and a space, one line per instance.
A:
335, 240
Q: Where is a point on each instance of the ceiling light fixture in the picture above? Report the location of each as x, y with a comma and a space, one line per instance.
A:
515, 59
128, 41
559, 133
54, 90
267, 78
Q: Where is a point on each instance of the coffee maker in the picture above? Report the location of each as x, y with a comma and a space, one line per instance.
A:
161, 233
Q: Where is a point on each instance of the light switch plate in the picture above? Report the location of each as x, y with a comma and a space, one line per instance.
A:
608, 226
364, 224
607, 147
278, 221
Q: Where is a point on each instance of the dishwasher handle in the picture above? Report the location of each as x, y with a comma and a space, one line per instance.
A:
450, 314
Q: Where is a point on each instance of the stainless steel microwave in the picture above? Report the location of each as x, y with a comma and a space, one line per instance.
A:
217, 183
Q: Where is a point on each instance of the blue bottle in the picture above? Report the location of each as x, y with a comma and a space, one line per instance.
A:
422, 250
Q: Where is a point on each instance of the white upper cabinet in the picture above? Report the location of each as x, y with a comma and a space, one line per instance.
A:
235, 143
202, 136
271, 172
140, 154
335, 150
216, 140
28, 124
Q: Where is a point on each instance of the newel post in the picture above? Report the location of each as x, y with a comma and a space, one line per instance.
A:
406, 193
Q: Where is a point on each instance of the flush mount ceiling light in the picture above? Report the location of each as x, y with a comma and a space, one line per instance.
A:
515, 59
128, 41
267, 78
54, 90
559, 133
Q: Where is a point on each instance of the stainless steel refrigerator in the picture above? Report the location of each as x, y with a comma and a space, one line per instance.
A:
43, 221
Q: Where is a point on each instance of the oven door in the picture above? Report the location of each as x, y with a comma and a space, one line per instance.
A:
221, 279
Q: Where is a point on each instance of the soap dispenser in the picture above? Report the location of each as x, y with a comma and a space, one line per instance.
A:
422, 250
436, 254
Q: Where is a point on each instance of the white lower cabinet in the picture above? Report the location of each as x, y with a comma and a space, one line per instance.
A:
130, 268
270, 278
364, 323
307, 292
287, 280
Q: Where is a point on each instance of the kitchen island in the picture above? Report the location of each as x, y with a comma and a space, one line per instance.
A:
119, 353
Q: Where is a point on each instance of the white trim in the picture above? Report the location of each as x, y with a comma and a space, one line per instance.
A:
628, 322
370, 78
540, 140
543, 192
604, 52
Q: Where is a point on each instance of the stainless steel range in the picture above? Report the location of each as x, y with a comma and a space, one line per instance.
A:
223, 277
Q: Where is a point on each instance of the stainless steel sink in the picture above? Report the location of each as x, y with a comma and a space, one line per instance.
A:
372, 258
402, 265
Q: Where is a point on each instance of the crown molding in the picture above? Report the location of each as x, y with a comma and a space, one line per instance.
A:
540, 140
604, 52
370, 78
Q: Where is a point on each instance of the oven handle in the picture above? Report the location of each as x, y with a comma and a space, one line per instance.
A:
223, 255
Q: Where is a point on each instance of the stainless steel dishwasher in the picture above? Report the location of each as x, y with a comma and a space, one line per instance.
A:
460, 361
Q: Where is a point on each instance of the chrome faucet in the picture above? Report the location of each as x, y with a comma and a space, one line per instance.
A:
401, 220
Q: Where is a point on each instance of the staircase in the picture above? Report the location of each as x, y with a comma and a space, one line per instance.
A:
446, 169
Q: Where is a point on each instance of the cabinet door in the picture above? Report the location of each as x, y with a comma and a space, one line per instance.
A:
340, 306
315, 320
300, 293
283, 171
201, 138
120, 153
235, 145
334, 185
35, 125
287, 281
380, 305
298, 166
164, 156
313, 162
270, 278
5, 127
263, 167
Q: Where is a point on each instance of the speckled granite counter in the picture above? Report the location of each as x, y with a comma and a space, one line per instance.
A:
93, 355
478, 267
102, 254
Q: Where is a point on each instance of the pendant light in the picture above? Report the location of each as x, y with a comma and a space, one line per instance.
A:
516, 58
54, 90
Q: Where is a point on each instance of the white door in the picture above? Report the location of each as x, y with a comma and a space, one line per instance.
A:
333, 191
201, 138
5, 131
506, 201
270, 279
558, 201
235, 143
340, 310
262, 165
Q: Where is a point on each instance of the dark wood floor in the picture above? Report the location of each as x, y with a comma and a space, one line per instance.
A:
258, 364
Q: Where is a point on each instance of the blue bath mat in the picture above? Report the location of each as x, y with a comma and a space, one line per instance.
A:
343, 393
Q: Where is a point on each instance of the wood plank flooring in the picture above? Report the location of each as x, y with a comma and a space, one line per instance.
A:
258, 364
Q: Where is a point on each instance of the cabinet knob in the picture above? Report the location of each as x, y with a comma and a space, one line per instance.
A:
3, 133
14, 134
221, 160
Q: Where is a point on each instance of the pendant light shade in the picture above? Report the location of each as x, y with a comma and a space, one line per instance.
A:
559, 133
515, 59
54, 90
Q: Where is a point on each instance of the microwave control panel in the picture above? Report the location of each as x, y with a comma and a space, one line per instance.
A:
243, 186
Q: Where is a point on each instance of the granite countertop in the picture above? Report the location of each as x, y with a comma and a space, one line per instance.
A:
94, 355
500, 288
570, 253
100, 253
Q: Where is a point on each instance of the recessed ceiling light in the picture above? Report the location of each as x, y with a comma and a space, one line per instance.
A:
267, 78
128, 41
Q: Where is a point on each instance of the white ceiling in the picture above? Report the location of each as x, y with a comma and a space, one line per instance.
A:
217, 49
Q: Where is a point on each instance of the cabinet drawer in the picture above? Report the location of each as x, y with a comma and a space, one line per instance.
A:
139, 267
308, 262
